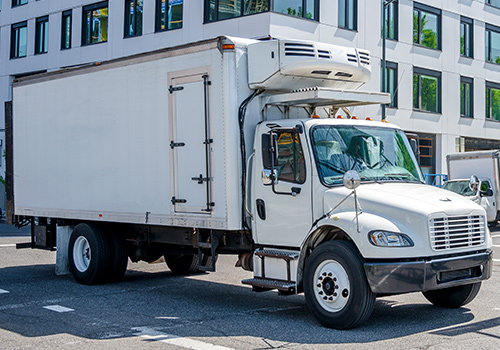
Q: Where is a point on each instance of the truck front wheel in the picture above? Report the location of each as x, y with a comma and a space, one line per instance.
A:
335, 286
453, 297
89, 254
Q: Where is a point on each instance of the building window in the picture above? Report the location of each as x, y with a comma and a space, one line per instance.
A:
426, 90
18, 39
66, 30
298, 8
466, 37
391, 20
494, 3
19, 2
466, 97
348, 14
492, 100
133, 18
168, 14
42, 35
216, 10
95, 23
391, 82
426, 26
492, 41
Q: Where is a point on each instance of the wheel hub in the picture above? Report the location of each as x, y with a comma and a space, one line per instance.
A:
331, 286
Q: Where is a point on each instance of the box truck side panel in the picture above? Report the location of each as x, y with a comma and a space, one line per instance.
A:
96, 144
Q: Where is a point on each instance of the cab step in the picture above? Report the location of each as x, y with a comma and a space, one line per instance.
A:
268, 283
277, 254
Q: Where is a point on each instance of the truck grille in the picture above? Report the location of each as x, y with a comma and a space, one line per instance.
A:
457, 232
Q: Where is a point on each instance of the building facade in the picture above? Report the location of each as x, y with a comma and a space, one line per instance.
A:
442, 57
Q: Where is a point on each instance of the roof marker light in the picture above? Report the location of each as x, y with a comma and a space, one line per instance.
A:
340, 117
315, 116
228, 47
370, 119
354, 117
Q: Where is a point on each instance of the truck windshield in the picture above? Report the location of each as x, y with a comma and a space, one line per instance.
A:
377, 154
460, 187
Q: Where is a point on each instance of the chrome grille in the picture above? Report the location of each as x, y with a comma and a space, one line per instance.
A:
457, 232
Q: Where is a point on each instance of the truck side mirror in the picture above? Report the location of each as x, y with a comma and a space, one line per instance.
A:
474, 183
269, 150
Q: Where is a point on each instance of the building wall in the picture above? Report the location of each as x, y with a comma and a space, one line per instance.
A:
447, 125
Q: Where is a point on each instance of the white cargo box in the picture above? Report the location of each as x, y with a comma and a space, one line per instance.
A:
149, 139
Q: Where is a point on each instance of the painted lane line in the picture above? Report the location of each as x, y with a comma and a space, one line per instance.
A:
152, 334
7, 245
58, 308
3, 291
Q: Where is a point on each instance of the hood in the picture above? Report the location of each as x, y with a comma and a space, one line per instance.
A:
404, 197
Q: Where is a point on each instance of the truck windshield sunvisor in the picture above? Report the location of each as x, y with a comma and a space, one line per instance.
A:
377, 154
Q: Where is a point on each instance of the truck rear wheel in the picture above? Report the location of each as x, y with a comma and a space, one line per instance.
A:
89, 254
453, 297
182, 264
119, 256
335, 286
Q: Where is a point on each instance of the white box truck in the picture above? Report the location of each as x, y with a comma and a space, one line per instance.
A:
484, 165
231, 146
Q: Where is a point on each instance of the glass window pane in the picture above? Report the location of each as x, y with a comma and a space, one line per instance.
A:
310, 9
495, 3
211, 11
495, 104
429, 96
415, 91
494, 49
429, 30
289, 7
253, 6
66, 32
487, 41
99, 25
174, 14
229, 8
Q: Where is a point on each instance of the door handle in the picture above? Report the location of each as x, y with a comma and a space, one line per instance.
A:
261, 209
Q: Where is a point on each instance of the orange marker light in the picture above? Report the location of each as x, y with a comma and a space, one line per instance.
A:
315, 116
354, 117
228, 47
370, 119
100, 215
340, 117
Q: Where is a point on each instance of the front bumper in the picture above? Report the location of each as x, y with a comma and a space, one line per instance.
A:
428, 274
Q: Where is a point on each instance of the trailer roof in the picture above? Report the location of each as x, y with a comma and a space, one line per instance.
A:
320, 97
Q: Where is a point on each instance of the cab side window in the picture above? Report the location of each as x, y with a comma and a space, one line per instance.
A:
290, 164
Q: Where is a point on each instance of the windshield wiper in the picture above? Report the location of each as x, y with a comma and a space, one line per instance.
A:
411, 177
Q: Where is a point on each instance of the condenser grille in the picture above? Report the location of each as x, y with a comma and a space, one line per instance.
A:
448, 233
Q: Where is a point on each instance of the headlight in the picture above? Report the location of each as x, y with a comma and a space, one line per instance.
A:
389, 239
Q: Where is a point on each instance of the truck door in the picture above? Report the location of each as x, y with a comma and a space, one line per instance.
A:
281, 218
488, 202
190, 143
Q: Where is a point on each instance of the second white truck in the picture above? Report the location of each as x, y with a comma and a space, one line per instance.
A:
233, 146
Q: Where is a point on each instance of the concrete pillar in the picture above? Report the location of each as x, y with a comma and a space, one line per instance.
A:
62, 259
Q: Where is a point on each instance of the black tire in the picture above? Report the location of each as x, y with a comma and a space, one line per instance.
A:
89, 254
119, 256
182, 264
453, 297
335, 271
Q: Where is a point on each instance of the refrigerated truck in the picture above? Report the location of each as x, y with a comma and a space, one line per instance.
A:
234, 146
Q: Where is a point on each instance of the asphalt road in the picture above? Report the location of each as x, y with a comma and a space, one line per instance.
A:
151, 308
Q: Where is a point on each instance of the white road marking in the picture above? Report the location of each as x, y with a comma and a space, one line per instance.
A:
496, 308
496, 245
151, 334
58, 308
7, 245
3, 291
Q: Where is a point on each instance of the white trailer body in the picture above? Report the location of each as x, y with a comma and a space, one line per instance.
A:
232, 146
